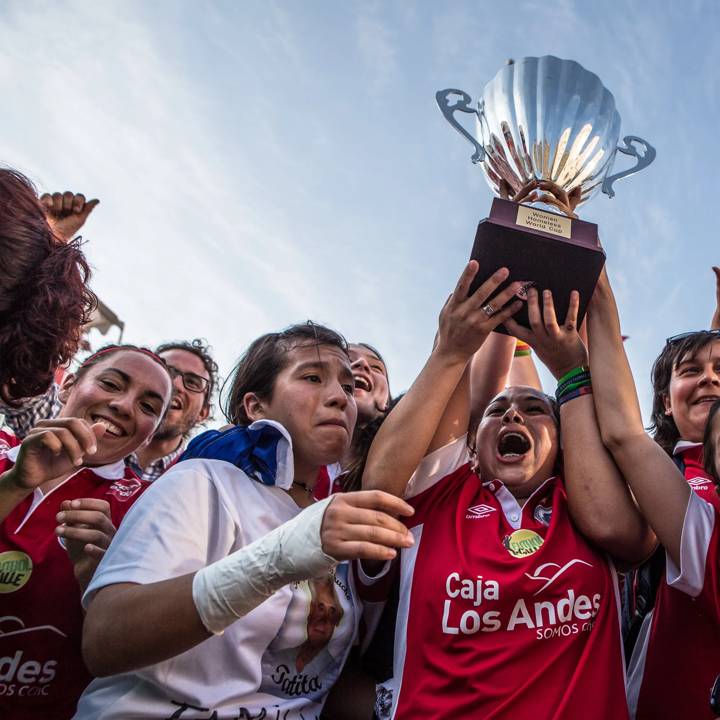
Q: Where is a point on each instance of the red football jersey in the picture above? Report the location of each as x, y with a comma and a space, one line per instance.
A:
677, 656
698, 479
505, 612
42, 674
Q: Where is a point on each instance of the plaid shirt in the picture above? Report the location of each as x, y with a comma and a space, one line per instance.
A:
157, 467
23, 418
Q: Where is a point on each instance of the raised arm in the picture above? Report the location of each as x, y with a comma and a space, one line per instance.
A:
523, 370
659, 487
67, 212
435, 410
715, 321
600, 502
490, 368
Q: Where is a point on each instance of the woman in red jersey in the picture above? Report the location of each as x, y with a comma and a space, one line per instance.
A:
685, 384
508, 603
679, 654
62, 493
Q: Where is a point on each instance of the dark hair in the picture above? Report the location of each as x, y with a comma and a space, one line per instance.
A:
362, 440
44, 298
662, 426
109, 350
258, 368
709, 443
201, 349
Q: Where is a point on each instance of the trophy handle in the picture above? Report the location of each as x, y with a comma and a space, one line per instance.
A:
643, 160
463, 105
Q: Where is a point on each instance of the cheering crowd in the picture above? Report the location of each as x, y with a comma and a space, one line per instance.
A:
473, 548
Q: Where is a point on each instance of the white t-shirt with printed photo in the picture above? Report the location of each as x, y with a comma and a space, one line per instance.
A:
282, 657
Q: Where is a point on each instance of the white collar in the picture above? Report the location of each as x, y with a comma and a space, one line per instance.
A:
510, 506
113, 471
682, 445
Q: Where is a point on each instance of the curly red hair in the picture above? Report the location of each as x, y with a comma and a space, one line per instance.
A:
44, 297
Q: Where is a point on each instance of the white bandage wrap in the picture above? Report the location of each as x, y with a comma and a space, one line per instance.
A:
232, 587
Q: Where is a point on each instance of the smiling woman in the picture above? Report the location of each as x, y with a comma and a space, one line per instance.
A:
679, 499
372, 391
686, 381
68, 471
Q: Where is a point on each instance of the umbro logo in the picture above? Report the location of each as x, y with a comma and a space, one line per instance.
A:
699, 483
479, 511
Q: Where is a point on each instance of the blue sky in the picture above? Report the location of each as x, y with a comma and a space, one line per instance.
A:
260, 163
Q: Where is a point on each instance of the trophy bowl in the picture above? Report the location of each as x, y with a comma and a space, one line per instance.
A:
546, 119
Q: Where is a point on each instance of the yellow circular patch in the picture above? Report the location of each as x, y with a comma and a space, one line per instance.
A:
522, 543
15, 570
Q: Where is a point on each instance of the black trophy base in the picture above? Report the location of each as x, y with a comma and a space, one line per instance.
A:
560, 264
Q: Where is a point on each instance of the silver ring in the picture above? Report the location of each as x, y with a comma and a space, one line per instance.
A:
488, 309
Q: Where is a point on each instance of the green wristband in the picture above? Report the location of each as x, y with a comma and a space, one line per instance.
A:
572, 373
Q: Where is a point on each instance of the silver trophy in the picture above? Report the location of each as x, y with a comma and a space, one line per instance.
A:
546, 136
546, 119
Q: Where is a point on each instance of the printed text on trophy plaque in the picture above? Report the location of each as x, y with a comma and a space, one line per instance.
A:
546, 222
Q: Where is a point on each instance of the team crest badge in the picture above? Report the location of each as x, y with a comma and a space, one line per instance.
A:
542, 514
522, 543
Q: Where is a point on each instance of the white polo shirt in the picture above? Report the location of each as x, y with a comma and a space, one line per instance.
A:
200, 511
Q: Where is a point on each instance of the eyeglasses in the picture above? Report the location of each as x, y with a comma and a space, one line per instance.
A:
191, 381
683, 336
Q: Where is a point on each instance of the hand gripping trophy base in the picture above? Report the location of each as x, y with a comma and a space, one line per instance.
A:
541, 249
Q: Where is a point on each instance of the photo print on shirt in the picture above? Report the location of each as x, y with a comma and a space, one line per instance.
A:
307, 664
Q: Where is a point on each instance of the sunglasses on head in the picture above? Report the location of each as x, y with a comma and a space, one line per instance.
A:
683, 336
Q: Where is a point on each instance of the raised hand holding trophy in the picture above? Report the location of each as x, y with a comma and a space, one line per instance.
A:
547, 136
